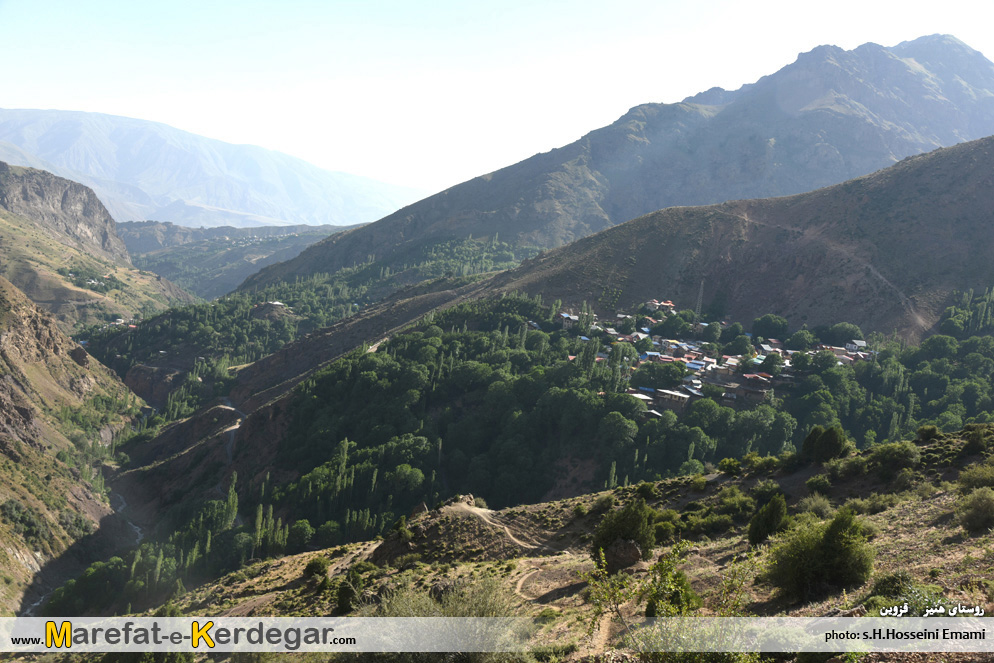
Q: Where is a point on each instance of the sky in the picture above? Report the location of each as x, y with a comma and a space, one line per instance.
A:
423, 94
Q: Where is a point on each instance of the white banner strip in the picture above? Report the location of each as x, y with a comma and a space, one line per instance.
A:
370, 634
260, 634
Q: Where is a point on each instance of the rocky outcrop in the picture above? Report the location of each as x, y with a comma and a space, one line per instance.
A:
66, 209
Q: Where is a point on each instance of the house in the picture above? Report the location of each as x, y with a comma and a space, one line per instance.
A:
856, 345
672, 400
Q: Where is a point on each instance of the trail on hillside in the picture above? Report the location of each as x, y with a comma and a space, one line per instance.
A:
484, 515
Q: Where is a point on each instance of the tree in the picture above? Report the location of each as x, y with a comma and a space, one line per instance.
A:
822, 444
800, 340
772, 364
633, 522
770, 519
658, 375
769, 326
817, 557
741, 345
301, 534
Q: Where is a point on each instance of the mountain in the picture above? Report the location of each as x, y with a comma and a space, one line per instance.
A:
58, 408
146, 170
211, 262
885, 251
59, 246
830, 116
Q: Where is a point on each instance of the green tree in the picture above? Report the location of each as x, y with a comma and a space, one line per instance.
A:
632, 522
769, 326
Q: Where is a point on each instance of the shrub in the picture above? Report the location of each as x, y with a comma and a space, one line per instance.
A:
479, 502
905, 480
977, 476
892, 585
889, 459
729, 466
753, 462
928, 432
814, 557
875, 503
699, 483
646, 490
976, 443
764, 491
819, 483
823, 444
976, 510
603, 503
817, 504
580, 510
770, 519
843, 468
664, 532
630, 522
735, 503
318, 566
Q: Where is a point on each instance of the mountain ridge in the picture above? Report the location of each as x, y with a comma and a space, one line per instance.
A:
818, 121
142, 170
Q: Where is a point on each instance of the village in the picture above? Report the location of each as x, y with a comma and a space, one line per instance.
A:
742, 379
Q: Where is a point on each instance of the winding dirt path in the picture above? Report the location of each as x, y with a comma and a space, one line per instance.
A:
484, 515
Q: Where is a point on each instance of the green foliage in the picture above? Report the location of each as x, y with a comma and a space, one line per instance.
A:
976, 476
817, 504
770, 326
814, 557
822, 444
730, 466
769, 520
819, 483
976, 510
630, 522
889, 459
317, 567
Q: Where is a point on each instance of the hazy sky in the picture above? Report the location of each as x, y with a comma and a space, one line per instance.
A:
425, 94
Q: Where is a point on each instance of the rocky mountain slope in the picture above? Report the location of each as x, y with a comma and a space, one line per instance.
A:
885, 251
830, 116
57, 404
59, 246
146, 170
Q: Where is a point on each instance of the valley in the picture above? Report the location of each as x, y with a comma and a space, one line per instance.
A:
732, 356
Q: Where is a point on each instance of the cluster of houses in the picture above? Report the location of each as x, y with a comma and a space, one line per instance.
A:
740, 377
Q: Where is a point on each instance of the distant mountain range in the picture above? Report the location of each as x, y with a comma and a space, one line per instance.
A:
830, 116
146, 170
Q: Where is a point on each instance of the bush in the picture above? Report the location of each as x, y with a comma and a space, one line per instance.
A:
733, 502
318, 566
764, 491
823, 444
580, 510
770, 519
664, 532
630, 522
819, 483
699, 483
889, 459
875, 503
753, 462
729, 466
816, 557
646, 490
977, 476
976, 510
603, 503
976, 443
928, 432
479, 502
843, 468
817, 504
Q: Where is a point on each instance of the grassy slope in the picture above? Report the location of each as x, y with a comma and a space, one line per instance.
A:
539, 553
31, 259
